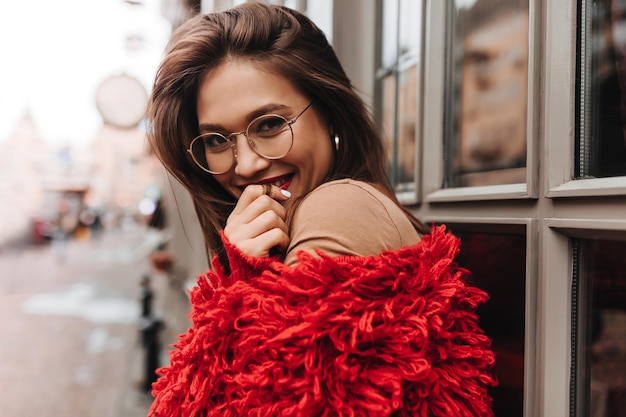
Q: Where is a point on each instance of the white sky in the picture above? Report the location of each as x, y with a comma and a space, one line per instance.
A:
55, 53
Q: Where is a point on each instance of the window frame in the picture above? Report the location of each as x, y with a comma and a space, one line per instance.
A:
436, 50
562, 87
402, 62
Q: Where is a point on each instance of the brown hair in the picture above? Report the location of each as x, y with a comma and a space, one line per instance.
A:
279, 40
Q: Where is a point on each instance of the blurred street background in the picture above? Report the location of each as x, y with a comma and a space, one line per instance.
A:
82, 324
70, 341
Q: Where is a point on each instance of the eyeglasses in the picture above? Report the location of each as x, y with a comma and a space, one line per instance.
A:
270, 136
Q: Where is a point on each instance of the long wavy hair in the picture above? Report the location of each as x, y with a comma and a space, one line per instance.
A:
278, 40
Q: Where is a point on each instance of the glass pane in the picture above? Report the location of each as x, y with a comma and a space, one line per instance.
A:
410, 25
487, 97
601, 345
389, 33
388, 112
407, 129
498, 264
602, 112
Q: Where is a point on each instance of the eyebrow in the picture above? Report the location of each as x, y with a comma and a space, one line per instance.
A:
263, 110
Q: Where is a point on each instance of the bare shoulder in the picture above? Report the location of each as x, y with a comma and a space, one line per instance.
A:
348, 217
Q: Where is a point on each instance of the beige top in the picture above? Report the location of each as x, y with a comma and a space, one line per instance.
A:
348, 217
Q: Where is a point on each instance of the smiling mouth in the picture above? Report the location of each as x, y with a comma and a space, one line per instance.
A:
283, 182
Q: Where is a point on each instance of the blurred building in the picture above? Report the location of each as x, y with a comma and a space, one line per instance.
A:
109, 174
21, 160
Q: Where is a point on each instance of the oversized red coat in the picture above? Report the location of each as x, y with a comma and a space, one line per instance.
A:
388, 335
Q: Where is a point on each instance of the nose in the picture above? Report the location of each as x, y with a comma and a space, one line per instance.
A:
247, 162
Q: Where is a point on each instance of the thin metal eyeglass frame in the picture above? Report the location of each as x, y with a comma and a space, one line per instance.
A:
233, 146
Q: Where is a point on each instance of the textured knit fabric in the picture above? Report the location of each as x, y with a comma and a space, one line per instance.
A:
348, 217
394, 334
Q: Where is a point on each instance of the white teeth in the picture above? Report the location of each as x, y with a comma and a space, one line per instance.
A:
278, 183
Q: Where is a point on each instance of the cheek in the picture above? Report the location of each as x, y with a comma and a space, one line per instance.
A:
326, 157
317, 156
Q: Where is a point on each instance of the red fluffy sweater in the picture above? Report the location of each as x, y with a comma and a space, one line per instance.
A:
388, 335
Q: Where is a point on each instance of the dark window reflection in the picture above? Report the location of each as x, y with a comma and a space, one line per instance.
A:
602, 344
399, 113
407, 112
602, 148
388, 122
498, 264
487, 93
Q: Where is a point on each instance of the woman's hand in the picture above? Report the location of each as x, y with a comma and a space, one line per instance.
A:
257, 224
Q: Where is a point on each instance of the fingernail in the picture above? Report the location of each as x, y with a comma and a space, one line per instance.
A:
285, 193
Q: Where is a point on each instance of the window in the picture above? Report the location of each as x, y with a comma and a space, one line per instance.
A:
549, 363
487, 93
398, 83
497, 262
599, 333
601, 116
504, 120
598, 315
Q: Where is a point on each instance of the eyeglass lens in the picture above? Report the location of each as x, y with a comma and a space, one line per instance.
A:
270, 136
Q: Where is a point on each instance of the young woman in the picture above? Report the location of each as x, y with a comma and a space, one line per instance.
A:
326, 296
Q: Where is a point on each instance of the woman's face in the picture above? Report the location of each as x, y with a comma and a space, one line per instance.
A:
235, 93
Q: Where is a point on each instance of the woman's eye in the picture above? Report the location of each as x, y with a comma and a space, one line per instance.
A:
270, 126
215, 142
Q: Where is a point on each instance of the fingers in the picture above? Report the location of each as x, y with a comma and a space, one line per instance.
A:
252, 192
241, 228
257, 224
259, 234
254, 201
261, 245
275, 192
